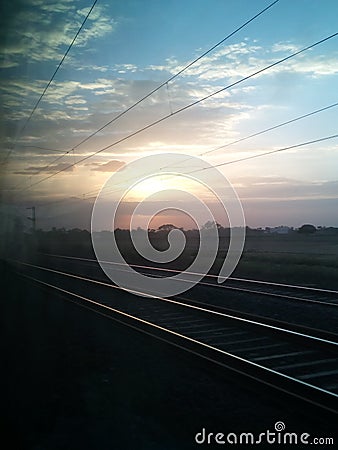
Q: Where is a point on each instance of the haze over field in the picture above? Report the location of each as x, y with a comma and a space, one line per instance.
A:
127, 49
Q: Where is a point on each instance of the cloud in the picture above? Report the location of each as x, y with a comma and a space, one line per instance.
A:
5, 63
288, 47
89, 67
111, 166
124, 68
34, 170
75, 100
232, 60
316, 67
283, 188
75, 107
39, 30
235, 61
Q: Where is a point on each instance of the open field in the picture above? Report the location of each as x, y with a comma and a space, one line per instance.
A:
310, 260
305, 259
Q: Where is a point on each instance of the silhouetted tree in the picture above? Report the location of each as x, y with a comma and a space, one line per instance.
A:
211, 225
307, 229
167, 227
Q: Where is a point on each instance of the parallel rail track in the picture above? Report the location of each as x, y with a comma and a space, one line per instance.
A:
270, 302
299, 363
328, 297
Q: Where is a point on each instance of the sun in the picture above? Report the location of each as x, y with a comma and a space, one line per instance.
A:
160, 183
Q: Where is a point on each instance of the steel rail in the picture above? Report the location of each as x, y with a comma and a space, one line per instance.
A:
248, 280
194, 307
197, 350
222, 286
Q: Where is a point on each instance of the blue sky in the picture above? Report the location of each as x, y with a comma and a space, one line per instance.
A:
128, 48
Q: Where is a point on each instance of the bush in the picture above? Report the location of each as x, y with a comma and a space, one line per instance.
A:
307, 229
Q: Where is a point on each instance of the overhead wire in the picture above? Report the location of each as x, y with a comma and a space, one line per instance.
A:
52, 78
266, 130
184, 108
165, 83
259, 133
246, 158
270, 152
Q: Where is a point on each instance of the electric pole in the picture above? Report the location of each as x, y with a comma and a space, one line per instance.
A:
32, 218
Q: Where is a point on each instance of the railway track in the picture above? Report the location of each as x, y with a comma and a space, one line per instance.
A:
299, 363
306, 294
271, 302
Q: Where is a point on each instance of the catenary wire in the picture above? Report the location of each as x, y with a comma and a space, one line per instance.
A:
165, 83
156, 122
246, 158
302, 144
52, 78
290, 147
266, 130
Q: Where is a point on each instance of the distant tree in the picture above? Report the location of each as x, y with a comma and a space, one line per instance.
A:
167, 227
210, 225
307, 229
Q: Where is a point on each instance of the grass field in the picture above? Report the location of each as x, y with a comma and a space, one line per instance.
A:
307, 259
310, 260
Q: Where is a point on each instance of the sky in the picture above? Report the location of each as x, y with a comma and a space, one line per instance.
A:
127, 49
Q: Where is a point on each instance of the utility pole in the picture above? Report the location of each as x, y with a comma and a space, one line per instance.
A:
32, 218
